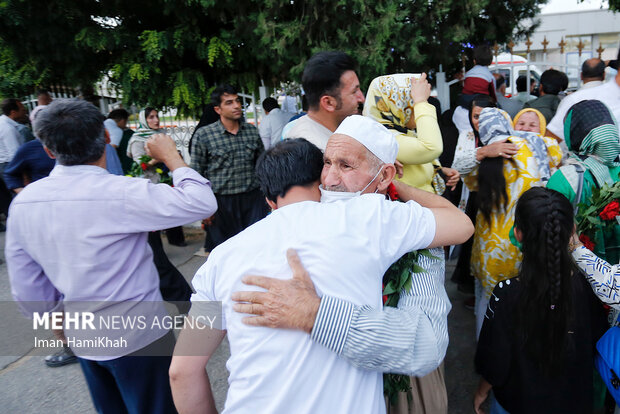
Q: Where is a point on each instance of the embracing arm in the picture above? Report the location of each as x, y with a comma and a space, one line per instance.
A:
467, 156
452, 225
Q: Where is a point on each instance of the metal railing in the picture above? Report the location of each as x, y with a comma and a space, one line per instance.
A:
443, 86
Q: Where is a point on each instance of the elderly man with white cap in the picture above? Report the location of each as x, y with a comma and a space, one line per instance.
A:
346, 246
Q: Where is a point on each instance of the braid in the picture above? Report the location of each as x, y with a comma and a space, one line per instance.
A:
554, 255
544, 311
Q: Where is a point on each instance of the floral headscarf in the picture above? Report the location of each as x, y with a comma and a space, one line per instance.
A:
591, 133
389, 101
495, 125
541, 119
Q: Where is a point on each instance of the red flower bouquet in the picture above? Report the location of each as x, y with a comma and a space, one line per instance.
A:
600, 214
610, 211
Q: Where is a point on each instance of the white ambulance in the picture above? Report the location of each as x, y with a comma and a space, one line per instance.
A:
511, 67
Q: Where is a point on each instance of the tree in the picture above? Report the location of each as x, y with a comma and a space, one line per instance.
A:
614, 5
172, 52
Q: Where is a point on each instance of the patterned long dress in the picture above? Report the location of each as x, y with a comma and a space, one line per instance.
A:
494, 257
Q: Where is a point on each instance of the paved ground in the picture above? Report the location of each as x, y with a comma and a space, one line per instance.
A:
28, 386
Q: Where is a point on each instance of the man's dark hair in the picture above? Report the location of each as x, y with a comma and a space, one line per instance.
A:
269, 104
322, 75
499, 81
42, 92
553, 81
483, 55
72, 130
8, 105
522, 83
225, 89
119, 114
289, 163
593, 69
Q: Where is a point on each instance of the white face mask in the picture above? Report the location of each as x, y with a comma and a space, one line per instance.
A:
328, 196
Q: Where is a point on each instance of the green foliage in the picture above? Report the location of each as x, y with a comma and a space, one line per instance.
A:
172, 52
393, 384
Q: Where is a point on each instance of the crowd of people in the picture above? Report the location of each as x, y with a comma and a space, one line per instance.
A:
328, 235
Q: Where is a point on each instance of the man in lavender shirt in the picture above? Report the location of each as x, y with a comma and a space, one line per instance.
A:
80, 236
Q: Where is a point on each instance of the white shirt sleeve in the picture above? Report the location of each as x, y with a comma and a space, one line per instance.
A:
204, 298
116, 134
264, 130
557, 122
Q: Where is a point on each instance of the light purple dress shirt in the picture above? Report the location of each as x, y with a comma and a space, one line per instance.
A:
81, 235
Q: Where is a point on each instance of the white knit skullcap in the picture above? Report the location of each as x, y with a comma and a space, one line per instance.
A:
371, 134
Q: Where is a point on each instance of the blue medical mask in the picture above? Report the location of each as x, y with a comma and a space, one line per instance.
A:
328, 196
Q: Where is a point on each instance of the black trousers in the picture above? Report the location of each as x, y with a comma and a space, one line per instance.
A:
234, 213
462, 273
172, 284
175, 235
132, 384
5, 194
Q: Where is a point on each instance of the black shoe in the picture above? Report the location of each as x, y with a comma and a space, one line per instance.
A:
2, 228
60, 358
180, 244
465, 288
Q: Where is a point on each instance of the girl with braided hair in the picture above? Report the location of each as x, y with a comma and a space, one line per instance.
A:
537, 344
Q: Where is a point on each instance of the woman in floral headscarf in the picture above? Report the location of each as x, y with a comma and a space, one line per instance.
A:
396, 102
591, 134
500, 182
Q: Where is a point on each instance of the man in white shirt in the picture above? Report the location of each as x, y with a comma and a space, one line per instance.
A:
592, 73
13, 113
333, 93
115, 124
347, 245
270, 128
608, 93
